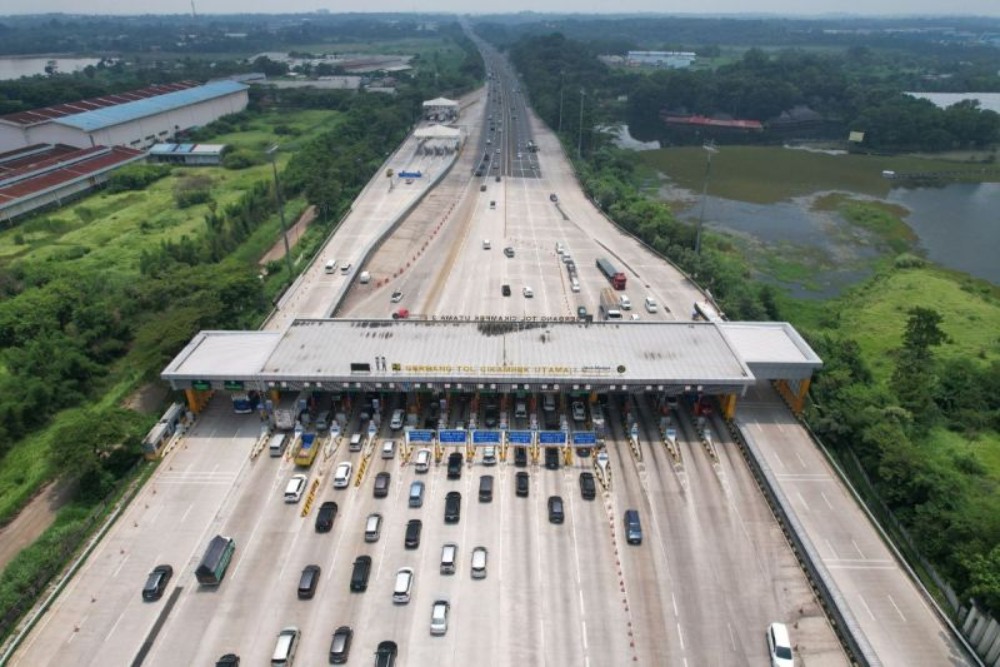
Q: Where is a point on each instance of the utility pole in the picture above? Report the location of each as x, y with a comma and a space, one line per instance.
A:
579, 139
710, 149
281, 209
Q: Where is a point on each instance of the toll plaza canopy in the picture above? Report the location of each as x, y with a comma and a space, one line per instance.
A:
496, 354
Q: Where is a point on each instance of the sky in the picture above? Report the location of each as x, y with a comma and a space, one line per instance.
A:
784, 7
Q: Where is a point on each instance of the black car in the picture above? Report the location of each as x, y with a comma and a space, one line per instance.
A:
508, 251
522, 484
455, 465
581, 312
382, 484
308, 581
385, 654
552, 458
340, 646
556, 514
521, 457
324, 518
587, 486
359, 574
452, 507
505, 290
228, 660
413, 528
156, 582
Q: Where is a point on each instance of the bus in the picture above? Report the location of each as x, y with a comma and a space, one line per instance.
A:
215, 561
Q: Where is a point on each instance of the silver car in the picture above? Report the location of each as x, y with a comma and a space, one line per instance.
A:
439, 617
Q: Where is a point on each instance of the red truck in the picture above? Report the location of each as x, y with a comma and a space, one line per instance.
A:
614, 276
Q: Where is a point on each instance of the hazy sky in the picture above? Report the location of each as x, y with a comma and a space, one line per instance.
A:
797, 7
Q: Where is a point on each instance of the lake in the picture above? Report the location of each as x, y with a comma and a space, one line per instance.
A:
15, 68
957, 225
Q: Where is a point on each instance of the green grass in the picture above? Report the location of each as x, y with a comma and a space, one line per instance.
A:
875, 314
984, 448
110, 231
766, 175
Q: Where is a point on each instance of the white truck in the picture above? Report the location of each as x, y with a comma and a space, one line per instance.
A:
610, 308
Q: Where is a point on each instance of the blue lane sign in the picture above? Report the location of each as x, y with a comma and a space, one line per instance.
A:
552, 437
452, 436
585, 438
519, 437
420, 436
485, 437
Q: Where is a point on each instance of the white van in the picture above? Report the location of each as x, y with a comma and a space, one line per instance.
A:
331, 266
388, 449
651, 306
449, 556
284, 648
365, 278
486, 244
396, 422
276, 445
489, 455
423, 460
574, 284
355, 443
404, 582
345, 269
521, 410
293, 490
624, 302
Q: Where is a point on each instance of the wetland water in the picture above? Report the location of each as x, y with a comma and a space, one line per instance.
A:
957, 225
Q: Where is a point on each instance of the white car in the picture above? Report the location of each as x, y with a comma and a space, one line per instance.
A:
342, 477
396, 422
293, 490
579, 414
528, 292
439, 617
486, 244
396, 297
489, 455
479, 555
422, 462
779, 646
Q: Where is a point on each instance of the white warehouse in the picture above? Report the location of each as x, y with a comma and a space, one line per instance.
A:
137, 119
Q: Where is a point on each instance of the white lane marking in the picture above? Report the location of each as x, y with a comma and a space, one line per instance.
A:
188, 511
833, 551
780, 427
680, 635
858, 549
120, 566
802, 500
826, 500
673, 599
896, 607
867, 608
778, 459
801, 460
732, 636
583, 625
114, 627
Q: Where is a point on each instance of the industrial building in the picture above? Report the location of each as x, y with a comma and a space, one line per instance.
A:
136, 119
44, 175
669, 59
191, 155
441, 109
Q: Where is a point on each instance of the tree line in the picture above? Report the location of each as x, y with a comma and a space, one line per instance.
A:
843, 89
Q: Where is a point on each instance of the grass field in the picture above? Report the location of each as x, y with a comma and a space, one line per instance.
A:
875, 314
110, 231
766, 175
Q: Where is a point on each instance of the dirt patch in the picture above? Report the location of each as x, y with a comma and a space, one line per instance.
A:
147, 399
277, 251
33, 519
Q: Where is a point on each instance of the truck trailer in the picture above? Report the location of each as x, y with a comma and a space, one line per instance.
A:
614, 276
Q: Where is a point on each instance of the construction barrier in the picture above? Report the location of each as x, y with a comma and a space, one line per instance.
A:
310, 497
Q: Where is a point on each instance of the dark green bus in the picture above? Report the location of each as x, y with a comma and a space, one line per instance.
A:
213, 565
